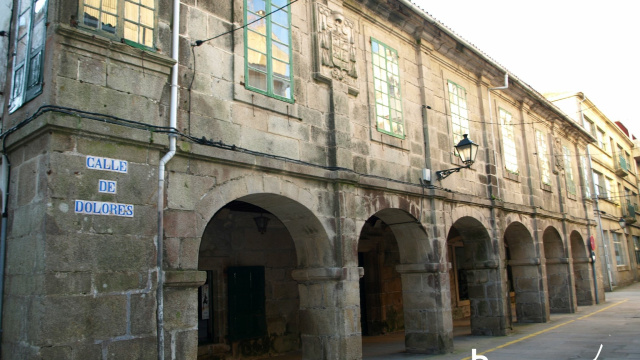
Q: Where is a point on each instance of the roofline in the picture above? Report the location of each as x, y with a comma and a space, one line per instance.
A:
486, 58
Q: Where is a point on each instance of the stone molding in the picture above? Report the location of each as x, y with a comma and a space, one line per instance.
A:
184, 278
327, 274
423, 268
87, 42
525, 262
554, 261
484, 265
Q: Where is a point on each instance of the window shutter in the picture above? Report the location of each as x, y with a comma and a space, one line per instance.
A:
28, 53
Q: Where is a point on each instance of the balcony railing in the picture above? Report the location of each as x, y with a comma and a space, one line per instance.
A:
602, 192
621, 165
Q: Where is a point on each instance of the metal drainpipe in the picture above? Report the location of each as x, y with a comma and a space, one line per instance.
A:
4, 187
161, 167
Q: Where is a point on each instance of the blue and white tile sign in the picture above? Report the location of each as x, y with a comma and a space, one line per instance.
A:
107, 187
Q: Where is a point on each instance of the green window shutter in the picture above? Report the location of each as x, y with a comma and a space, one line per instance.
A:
247, 315
28, 52
267, 50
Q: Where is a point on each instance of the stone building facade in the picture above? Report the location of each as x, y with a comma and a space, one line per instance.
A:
295, 213
614, 175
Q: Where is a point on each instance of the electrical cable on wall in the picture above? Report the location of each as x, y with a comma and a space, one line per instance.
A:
110, 119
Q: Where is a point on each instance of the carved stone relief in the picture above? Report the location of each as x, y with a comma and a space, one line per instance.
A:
336, 46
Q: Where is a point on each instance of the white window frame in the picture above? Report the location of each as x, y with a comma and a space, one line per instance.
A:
543, 156
30, 33
619, 249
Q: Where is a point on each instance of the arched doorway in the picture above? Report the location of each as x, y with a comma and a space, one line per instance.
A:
581, 271
524, 276
401, 289
476, 271
558, 277
254, 251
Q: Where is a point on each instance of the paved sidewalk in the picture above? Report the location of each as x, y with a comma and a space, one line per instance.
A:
614, 324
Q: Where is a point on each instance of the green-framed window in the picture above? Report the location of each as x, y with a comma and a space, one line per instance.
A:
30, 30
543, 156
386, 84
459, 111
130, 20
509, 142
585, 176
268, 67
568, 171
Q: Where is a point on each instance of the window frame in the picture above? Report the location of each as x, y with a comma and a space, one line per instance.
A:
619, 249
270, 75
568, 171
380, 105
543, 158
25, 87
120, 21
509, 142
458, 137
585, 176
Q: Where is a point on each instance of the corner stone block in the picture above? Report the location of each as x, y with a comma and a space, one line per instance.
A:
141, 349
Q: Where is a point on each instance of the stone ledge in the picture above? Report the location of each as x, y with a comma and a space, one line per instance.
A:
554, 261
525, 262
188, 278
103, 46
423, 268
327, 274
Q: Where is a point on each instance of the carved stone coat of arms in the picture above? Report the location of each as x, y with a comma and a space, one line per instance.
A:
336, 46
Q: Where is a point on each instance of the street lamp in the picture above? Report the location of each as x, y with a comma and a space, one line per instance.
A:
467, 150
622, 223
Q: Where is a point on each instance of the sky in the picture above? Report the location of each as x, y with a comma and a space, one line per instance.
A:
555, 46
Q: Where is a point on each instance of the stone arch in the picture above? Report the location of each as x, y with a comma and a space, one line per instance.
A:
401, 288
478, 266
307, 266
294, 205
583, 278
525, 274
558, 275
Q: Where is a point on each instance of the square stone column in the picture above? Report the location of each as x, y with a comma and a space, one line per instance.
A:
330, 313
427, 308
531, 300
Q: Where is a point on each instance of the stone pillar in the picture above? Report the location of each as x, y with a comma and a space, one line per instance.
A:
561, 299
531, 302
488, 308
330, 313
181, 313
427, 308
585, 294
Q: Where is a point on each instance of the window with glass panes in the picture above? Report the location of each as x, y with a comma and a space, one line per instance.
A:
508, 141
601, 185
585, 176
28, 52
601, 139
568, 171
386, 85
459, 112
268, 54
543, 156
636, 246
133, 21
618, 246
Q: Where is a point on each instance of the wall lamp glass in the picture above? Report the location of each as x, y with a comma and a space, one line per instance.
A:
467, 151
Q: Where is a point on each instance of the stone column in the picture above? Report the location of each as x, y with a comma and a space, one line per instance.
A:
559, 284
330, 313
584, 281
531, 302
488, 308
427, 308
181, 313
